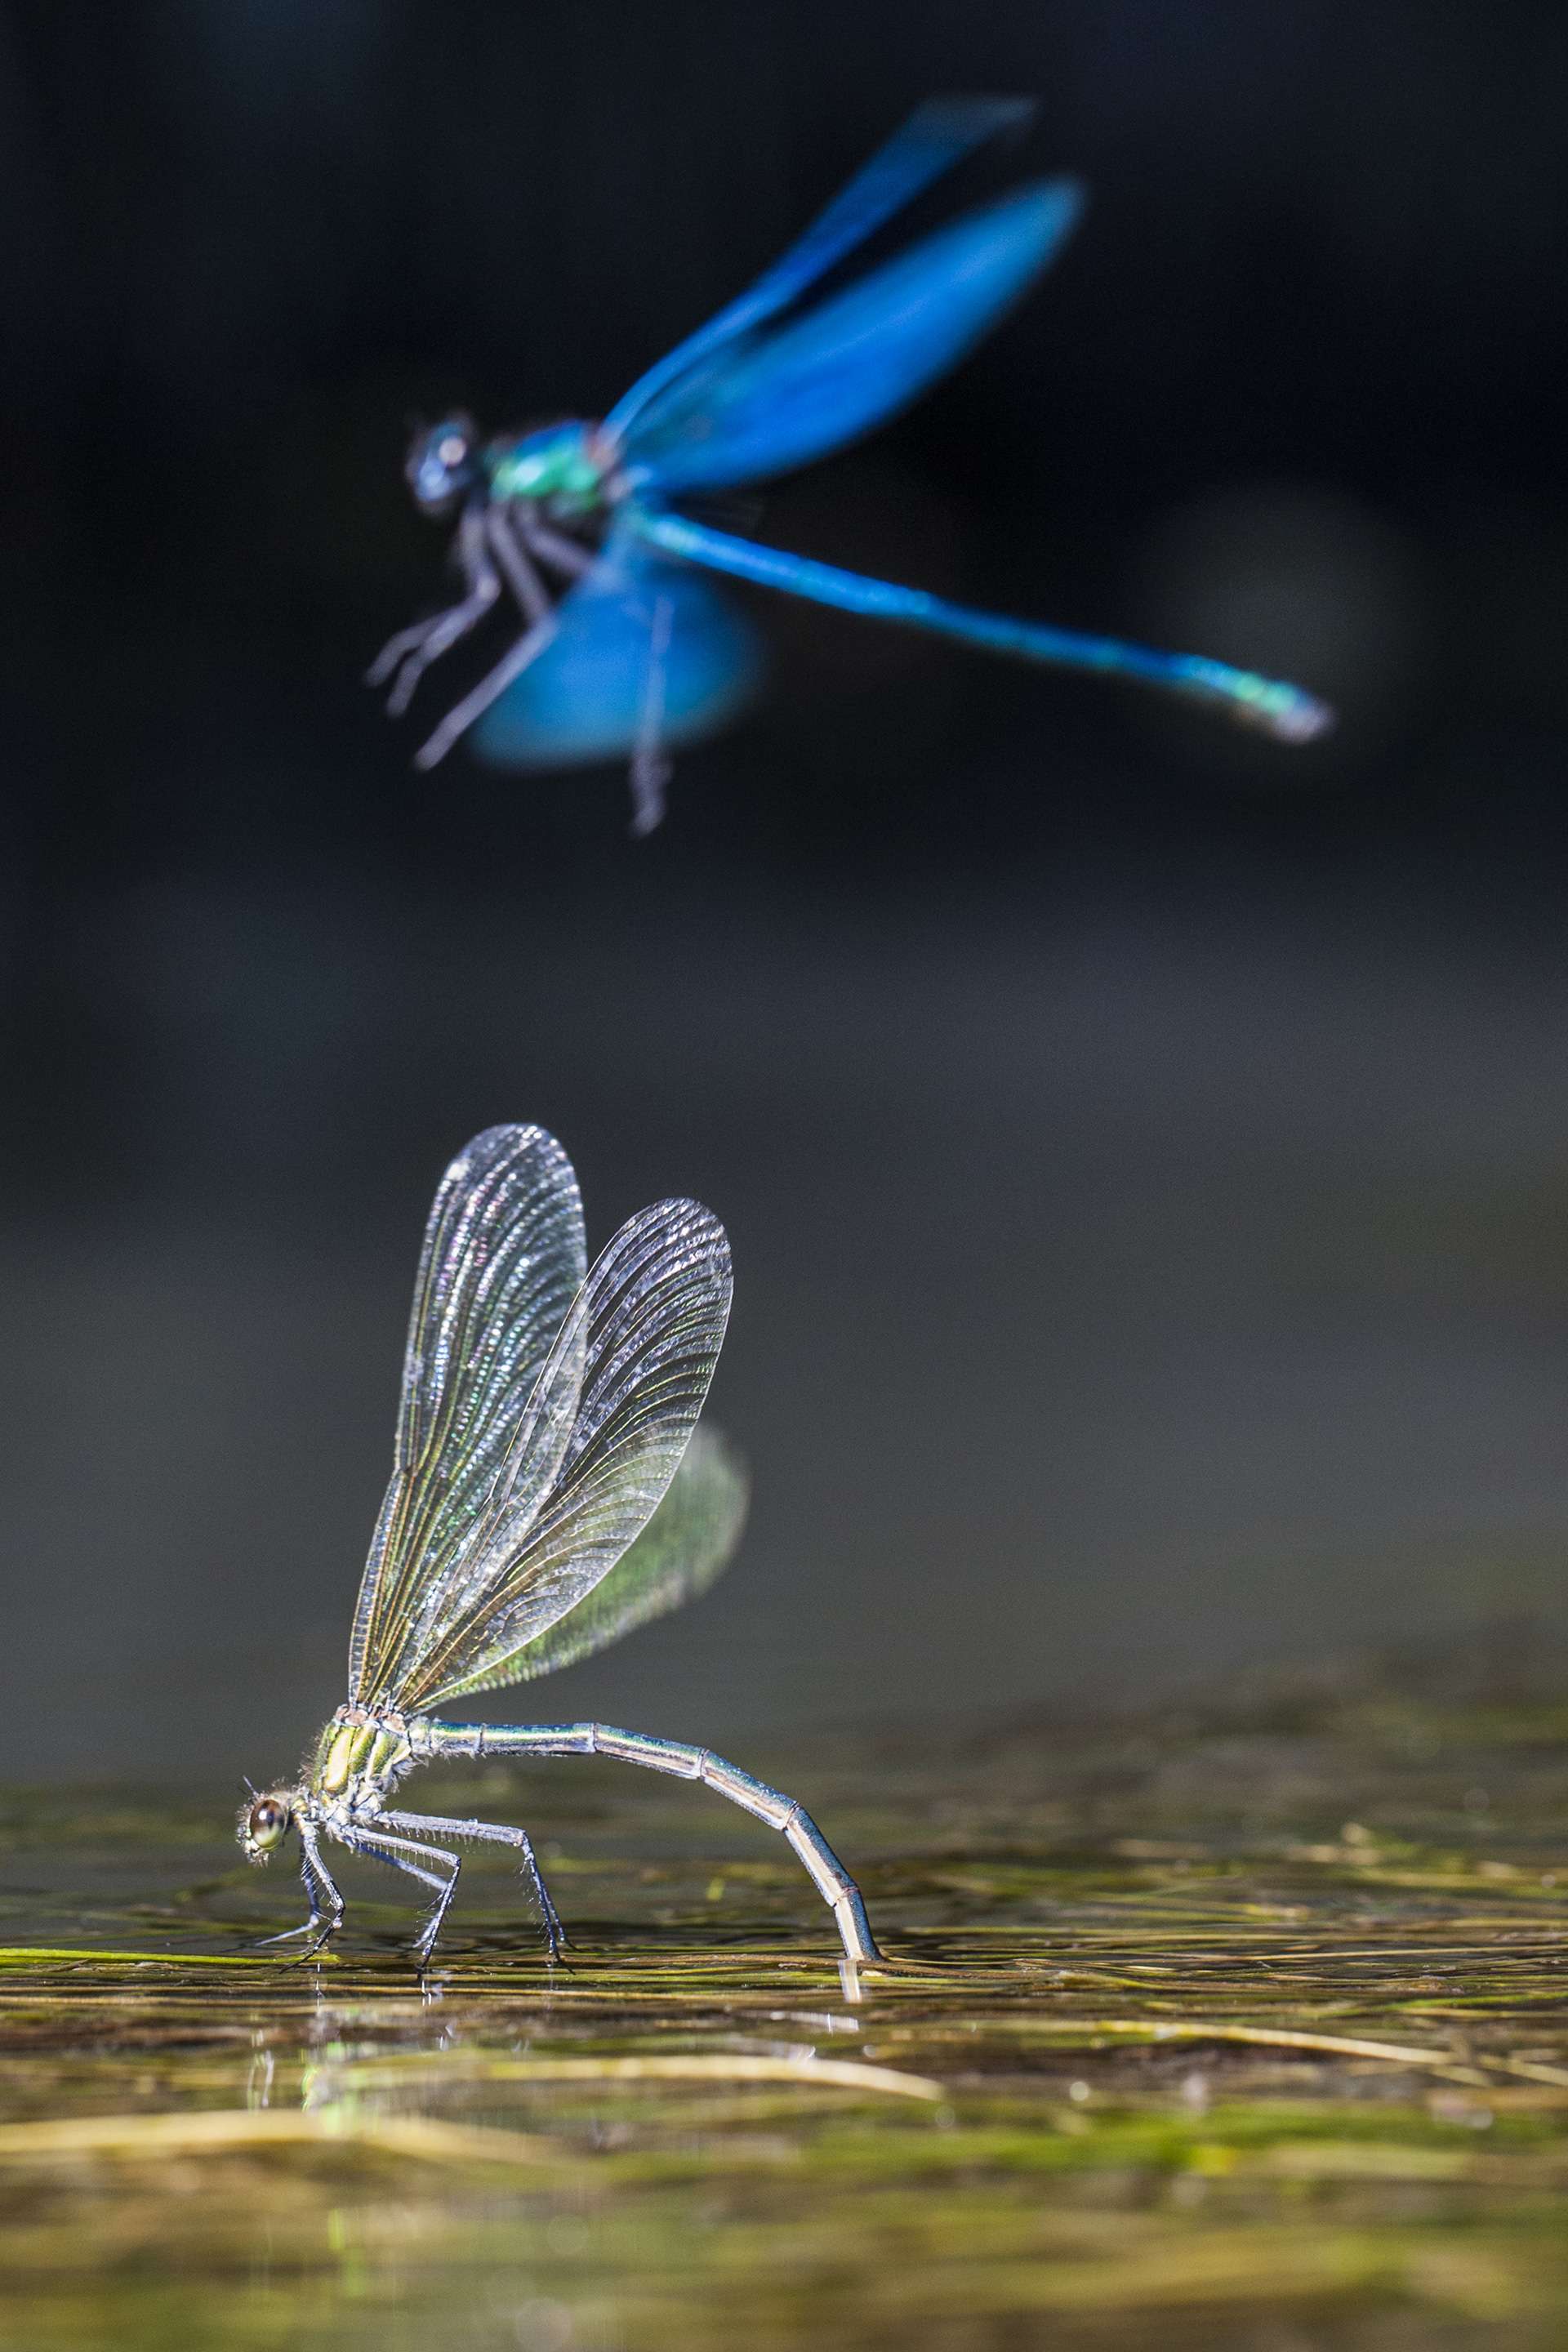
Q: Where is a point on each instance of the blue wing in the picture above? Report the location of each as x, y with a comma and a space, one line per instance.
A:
587, 697
930, 143
779, 401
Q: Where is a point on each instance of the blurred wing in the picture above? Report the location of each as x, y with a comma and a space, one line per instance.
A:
685, 1545
502, 1260
781, 401
932, 140
639, 1343
585, 697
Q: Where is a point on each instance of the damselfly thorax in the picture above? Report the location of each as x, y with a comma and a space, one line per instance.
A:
359, 1761
552, 1489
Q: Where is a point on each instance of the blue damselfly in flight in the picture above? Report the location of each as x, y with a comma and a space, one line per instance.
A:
551, 1489
625, 648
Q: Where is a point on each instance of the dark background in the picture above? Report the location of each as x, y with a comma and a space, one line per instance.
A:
1146, 1150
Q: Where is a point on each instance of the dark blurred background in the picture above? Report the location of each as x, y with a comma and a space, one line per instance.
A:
1146, 1150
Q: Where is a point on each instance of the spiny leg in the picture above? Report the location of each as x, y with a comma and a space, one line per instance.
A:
461, 718
318, 1881
499, 1833
411, 652
361, 1839
827, 1873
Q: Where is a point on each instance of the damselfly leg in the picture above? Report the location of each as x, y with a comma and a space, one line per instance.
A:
413, 1856
528, 648
532, 596
411, 652
553, 547
651, 768
318, 1883
497, 1834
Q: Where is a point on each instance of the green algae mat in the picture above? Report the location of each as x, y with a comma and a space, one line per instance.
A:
1247, 2036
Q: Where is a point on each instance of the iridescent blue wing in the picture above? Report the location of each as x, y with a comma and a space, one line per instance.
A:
590, 692
785, 399
932, 140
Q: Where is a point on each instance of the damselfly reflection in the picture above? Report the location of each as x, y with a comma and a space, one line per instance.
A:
550, 1490
624, 649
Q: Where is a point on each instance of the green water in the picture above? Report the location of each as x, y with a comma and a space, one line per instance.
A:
1223, 2037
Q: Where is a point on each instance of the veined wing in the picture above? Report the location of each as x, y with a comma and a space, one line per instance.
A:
639, 1344
934, 138
503, 1257
686, 1544
783, 399
588, 695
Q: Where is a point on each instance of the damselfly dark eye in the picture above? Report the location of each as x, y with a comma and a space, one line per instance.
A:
266, 1824
440, 466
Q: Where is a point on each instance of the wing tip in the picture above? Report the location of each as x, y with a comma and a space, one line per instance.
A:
976, 114
1056, 205
693, 1228
510, 1139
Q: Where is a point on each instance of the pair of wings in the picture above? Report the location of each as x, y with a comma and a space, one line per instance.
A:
733, 405
550, 1488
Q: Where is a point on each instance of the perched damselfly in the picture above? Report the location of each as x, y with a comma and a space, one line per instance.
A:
551, 1489
624, 648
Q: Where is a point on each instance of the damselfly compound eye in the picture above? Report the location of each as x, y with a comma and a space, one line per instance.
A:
266, 1824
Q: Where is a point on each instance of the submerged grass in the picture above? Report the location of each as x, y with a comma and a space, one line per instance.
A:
1249, 2036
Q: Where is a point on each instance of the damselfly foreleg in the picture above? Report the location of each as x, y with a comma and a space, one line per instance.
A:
827, 1873
411, 652
318, 1883
499, 1833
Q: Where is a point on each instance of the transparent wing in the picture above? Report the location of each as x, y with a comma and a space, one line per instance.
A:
686, 1544
929, 143
783, 399
637, 1350
585, 697
502, 1259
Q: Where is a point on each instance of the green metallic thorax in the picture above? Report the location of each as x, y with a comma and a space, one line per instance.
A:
559, 463
354, 1750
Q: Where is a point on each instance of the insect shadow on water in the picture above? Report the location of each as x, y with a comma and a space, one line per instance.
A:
625, 648
551, 1489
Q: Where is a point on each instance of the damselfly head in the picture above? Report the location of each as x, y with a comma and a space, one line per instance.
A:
265, 1824
442, 464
